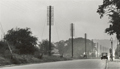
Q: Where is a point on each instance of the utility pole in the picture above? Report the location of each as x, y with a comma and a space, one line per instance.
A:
97, 50
85, 46
49, 30
72, 34
92, 47
50, 17
111, 48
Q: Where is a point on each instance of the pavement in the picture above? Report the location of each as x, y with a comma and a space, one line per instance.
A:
72, 64
115, 64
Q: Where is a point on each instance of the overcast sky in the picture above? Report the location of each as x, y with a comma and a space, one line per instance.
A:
33, 14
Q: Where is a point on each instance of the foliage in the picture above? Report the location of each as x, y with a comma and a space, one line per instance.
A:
44, 46
60, 46
54, 58
23, 59
27, 59
78, 47
4, 61
112, 9
22, 40
3, 47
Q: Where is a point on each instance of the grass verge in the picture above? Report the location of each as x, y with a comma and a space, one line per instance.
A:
28, 59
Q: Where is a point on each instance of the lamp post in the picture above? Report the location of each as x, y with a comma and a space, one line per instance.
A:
111, 53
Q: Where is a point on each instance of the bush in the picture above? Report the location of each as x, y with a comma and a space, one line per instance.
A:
38, 55
26, 59
54, 58
23, 59
4, 61
22, 40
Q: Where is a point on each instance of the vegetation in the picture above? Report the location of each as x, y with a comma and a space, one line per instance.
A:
79, 48
44, 47
3, 47
24, 48
28, 59
60, 46
22, 40
112, 9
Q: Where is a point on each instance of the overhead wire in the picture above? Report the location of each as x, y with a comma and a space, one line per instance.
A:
19, 9
2, 30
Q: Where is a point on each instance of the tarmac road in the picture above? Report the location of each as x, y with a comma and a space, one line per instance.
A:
73, 64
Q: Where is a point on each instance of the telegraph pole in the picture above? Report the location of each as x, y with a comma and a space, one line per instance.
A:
49, 30
85, 45
92, 48
72, 34
97, 49
50, 17
111, 48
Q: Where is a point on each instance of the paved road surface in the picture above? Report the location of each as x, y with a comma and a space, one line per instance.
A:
115, 64
74, 64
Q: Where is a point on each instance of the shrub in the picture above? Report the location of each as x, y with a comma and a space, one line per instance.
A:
23, 59
4, 61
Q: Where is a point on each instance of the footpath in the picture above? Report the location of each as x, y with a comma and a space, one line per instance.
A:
115, 64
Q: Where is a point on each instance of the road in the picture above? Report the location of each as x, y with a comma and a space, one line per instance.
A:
115, 64
74, 64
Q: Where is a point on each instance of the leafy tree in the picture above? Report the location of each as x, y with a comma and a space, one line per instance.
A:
44, 46
3, 47
22, 40
60, 46
112, 9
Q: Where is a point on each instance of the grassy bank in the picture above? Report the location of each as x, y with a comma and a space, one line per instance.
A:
28, 59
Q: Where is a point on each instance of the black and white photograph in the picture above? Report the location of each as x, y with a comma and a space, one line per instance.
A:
59, 34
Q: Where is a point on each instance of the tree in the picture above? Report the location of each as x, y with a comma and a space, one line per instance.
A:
60, 46
112, 9
3, 47
44, 46
22, 40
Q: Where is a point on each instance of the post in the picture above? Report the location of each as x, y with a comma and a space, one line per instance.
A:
92, 47
111, 54
72, 33
50, 17
72, 46
111, 48
97, 49
85, 45
49, 30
